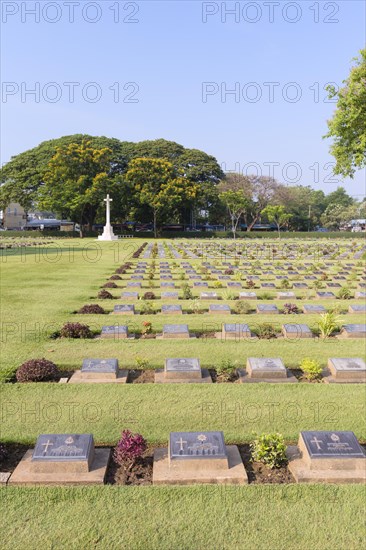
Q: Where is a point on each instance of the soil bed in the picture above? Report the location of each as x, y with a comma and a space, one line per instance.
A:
137, 376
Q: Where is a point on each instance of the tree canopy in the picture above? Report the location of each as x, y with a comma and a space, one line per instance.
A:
348, 125
159, 185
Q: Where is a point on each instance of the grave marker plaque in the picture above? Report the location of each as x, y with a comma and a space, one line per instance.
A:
107, 367
347, 368
267, 309
328, 456
115, 331
63, 452
313, 308
318, 445
357, 308
354, 331
219, 309
175, 331
198, 449
296, 330
171, 309
182, 367
124, 309
261, 367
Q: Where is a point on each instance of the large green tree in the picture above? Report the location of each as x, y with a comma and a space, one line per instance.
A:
77, 179
348, 125
159, 185
24, 174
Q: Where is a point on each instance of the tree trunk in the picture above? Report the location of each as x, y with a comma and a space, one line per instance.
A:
155, 228
254, 221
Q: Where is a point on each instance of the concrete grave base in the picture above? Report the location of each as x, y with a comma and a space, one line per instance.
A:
302, 473
4, 477
176, 336
160, 378
246, 379
92, 378
178, 474
237, 337
24, 474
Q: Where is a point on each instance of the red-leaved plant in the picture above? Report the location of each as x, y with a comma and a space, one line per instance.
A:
128, 449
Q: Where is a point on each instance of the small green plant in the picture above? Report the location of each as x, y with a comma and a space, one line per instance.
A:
195, 306
317, 285
265, 296
344, 293
328, 323
242, 307
270, 449
141, 362
266, 331
146, 328
311, 368
285, 283
228, 295
147, 308
217, 284
187, 293
225, 369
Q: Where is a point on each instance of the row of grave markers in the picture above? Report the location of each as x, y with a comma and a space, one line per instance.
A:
191, 457
188, 370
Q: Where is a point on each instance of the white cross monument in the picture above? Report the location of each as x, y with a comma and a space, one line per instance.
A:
108, 234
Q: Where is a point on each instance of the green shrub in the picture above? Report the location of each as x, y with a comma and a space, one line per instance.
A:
142, 363
195, 306
147, 308
270, 449
225, 369
187, 292
285, 283
265, 296
344, 293
311, 368
228, 295
242, 307
266, 331
328, 323
217, 284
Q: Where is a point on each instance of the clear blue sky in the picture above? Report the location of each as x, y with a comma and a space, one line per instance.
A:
169, 52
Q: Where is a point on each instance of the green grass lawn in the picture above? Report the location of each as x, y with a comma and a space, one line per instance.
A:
296, 517
39, 293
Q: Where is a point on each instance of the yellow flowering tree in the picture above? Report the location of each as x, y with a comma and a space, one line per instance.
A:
158, 184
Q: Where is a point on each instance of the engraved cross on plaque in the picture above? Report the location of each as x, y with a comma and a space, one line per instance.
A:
317, 443
181, 443
46, 445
